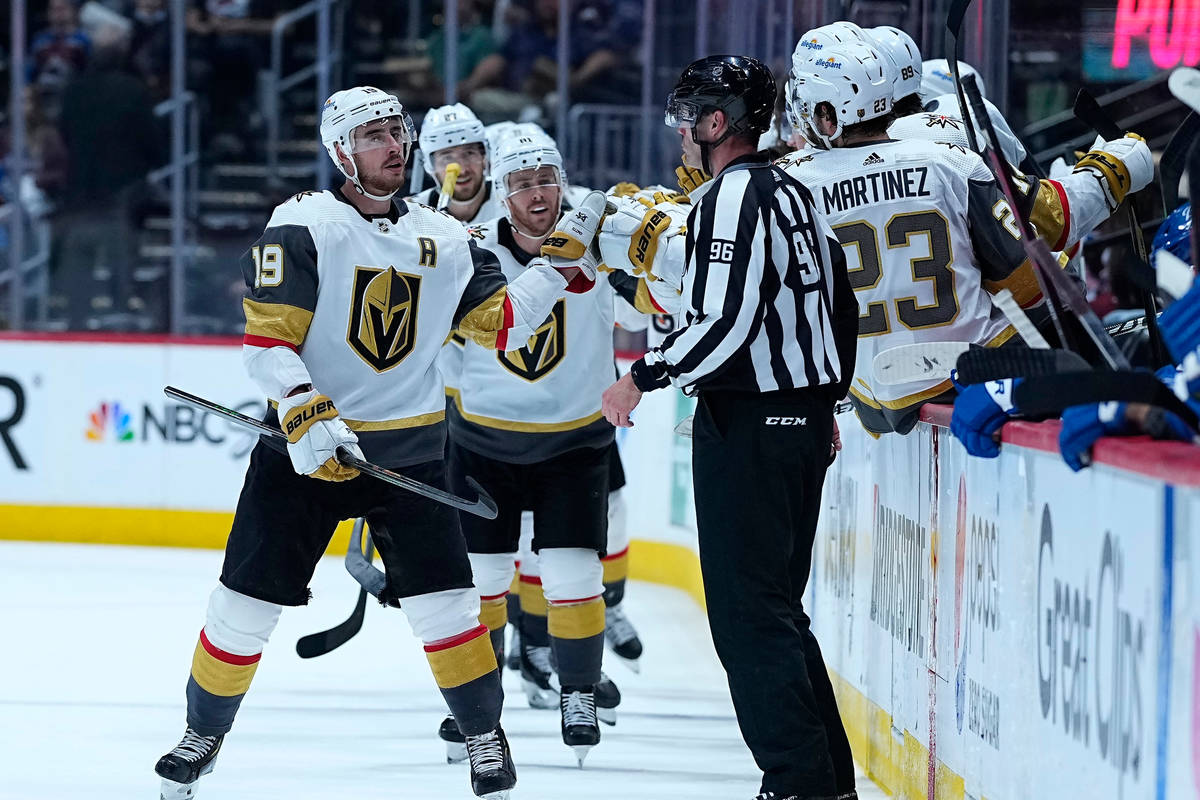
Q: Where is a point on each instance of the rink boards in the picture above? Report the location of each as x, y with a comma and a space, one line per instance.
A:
998, 629
1009, 629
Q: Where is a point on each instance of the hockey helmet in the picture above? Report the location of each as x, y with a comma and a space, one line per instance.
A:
855, 79
1175, 234
450, 126
900, 49
348, 109
521, 151
937, 79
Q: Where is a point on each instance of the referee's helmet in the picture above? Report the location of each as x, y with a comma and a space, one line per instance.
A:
741, 87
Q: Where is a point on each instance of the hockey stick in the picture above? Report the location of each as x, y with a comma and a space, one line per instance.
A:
483, 506
917, 362
318, 644
954, 23
1005, 301
1174, 159
1056, 286
1088, 111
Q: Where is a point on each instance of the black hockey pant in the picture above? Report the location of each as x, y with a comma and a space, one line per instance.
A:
758, 463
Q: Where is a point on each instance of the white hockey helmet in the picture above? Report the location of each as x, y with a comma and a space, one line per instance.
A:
346, 110
937, 79
899, 48
524, 150
855, 79
817, 39
450, 126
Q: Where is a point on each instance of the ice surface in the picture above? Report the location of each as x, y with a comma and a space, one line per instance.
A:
98, 642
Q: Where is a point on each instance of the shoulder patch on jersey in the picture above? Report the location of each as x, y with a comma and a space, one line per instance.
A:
958, 148
301, 195
792, 159
942, 121
477, 231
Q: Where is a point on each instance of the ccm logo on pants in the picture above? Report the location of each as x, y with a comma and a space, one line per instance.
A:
786, 421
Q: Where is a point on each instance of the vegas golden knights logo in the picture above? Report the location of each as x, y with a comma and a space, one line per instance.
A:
544, 351
383, 316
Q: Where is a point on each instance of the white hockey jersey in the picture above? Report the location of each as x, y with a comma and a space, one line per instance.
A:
360, 306
543, 399
1063, 211
924, 228
490, 209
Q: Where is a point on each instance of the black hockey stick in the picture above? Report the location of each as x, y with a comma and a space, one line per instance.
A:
1088, 111
954, 23
318, 644
1174, 159
1058, 289
483, 506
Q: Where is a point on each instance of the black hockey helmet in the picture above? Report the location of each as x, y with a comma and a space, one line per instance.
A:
740, 86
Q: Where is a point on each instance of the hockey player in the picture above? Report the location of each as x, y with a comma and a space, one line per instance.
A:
348, 300
454, 135
1064, 210
527, 425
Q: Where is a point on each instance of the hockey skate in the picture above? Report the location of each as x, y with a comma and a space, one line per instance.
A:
608, 697
622, 637
456, 743
192, 758
537, 677
580, 729
493, 773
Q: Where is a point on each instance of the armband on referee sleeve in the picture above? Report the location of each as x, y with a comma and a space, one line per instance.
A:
649, 376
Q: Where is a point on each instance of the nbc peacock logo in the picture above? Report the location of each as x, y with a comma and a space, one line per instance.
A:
110, 421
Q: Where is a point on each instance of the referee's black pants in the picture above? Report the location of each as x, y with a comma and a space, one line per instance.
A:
758, 464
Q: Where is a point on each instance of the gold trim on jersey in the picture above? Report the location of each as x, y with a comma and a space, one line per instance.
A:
1047, 215
421, 420
383, 316
483, 322
643, 301
276, 321
544, 351
521, 427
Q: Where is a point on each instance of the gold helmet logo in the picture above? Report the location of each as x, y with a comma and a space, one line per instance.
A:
383, 316
544, 351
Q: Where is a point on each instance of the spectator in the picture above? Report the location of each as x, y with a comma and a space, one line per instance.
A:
232, 37
112, 141
475, 43
61, 51
45, 179
150, 47
523, 72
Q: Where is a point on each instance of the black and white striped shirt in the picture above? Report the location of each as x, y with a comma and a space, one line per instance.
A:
768, 303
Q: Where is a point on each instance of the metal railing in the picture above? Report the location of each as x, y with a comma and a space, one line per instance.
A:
28, 276
273, 83
605, 143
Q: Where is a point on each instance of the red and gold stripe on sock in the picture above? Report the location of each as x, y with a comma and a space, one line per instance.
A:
493, 611
532, 600
222, 673
576, 619
515, 586
461, 659
616, 566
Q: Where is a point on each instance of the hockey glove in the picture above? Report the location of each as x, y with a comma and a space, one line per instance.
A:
1122, 166
569, 247
979, 411
624, 189
1083, 425
690, 179
315, 432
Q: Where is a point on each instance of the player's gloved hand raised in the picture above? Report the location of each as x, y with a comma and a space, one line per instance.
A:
1123, 165
630, 236
979, 411
569, 250
690, 179
1083, 425
315, 432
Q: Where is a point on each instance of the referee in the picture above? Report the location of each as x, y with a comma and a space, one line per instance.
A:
768, 349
